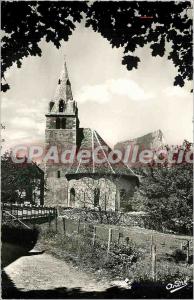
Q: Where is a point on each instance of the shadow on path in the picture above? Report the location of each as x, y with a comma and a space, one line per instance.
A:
146, 290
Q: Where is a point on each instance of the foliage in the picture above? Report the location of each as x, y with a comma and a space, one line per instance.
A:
122, 23
19, 180
138, 201
123, 262
168, 195
80, 249
178, 255
26, 23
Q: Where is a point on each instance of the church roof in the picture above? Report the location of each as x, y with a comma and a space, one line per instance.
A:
63, 91
90, 140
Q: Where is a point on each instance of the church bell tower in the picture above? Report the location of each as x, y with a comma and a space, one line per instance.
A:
62, 120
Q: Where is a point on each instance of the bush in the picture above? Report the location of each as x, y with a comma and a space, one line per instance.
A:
178, 255
80, 249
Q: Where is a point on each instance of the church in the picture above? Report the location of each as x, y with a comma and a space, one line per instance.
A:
77, 184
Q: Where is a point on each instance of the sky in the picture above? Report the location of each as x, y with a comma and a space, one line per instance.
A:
117, 103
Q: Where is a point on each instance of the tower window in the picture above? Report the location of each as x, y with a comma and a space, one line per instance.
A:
63, 123
57, 123
72, 197
51, 104
122, 197
58, 174
61, 106
96, 197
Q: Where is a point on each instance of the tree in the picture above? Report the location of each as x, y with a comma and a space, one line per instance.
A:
26, 23
21, 181
168, 194
122, 23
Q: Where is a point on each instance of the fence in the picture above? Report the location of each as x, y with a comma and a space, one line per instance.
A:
24, 212
155, 245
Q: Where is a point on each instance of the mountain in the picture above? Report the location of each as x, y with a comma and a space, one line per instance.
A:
152, 140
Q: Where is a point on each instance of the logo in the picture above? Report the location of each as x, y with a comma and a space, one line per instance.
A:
177, 285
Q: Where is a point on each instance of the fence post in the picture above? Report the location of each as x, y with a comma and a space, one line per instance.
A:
55, 214
119, 237
187, 259
30, 212
17, 212
64, 226
182, 246
78, 226
127, 240
56, 227
153, 261
22, 211
94, 236
84, 229
152, 241
109, 240
11, 207
49, 219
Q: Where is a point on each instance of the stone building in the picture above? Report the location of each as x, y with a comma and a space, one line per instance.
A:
82, 182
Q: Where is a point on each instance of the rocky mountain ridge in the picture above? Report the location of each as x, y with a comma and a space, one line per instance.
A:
152, 140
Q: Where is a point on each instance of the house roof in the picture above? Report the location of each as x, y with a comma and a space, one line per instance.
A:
90, 140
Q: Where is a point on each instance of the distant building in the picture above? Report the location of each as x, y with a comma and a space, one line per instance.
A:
27, 186
77, 184
34, 178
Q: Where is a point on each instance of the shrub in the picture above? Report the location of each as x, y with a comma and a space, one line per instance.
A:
178, 255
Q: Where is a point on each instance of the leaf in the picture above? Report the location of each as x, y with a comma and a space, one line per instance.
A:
5, 87
130, 61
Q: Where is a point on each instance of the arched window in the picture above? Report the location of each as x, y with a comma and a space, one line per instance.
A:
57, 123
122, 198
96, 197
72, 197
51, 104
58, 174
63, 123
68, 82
61, 106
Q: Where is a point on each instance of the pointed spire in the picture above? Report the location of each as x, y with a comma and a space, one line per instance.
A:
63, 91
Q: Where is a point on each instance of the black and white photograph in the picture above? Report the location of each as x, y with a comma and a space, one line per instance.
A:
97, 149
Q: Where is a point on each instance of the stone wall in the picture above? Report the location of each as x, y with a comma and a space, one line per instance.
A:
63, 138
110, 196
57, 191
110, 192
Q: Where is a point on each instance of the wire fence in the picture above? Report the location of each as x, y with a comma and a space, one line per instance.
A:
154, 244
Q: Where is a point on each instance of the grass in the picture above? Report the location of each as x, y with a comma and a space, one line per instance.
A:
166, 244
125, 261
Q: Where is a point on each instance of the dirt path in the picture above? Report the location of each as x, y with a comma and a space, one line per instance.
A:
43, 272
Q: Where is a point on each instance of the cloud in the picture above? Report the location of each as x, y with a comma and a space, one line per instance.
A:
5, 103
23, 122
102, 93
129, 88
175, 91
96, 93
